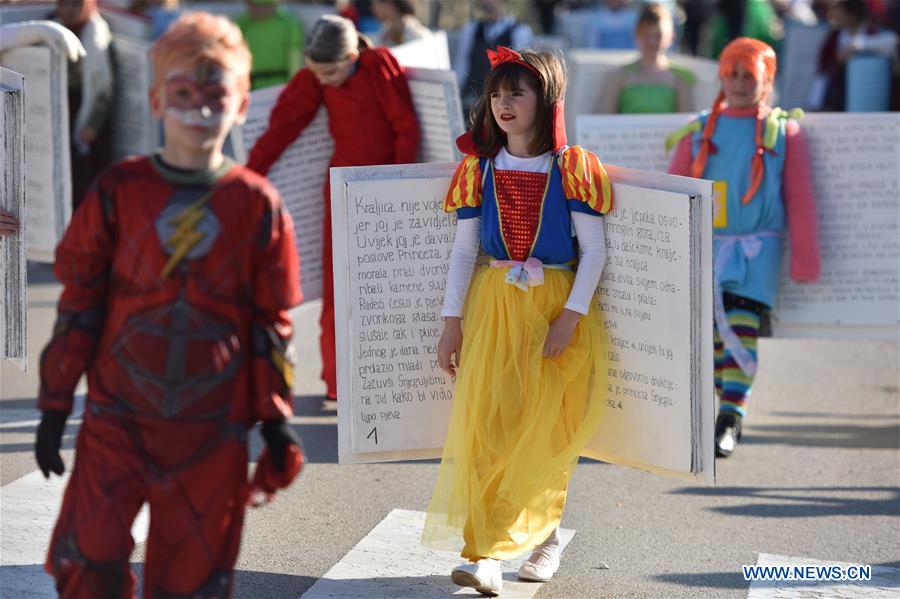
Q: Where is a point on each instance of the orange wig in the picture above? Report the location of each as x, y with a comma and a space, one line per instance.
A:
759, 59
198, 37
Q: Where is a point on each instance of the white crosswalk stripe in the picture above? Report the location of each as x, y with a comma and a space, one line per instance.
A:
28, 510
391, 563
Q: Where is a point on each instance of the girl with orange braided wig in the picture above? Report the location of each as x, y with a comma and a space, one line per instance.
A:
759, 161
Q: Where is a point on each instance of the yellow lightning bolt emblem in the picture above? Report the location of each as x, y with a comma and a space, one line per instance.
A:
185, 236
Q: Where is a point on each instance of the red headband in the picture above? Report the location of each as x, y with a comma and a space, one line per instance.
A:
504, 55
466, 141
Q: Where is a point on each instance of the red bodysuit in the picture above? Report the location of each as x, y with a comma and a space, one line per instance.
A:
176, 293
372, 121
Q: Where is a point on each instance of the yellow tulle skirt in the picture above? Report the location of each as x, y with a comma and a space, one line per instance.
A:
519, 420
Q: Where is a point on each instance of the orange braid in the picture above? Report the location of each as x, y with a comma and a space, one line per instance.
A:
757, 166
706, 145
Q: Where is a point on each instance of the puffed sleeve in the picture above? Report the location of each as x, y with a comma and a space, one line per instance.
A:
464, 194
585, 182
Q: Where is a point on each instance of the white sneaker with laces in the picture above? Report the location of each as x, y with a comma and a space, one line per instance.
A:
484, 576
543, 563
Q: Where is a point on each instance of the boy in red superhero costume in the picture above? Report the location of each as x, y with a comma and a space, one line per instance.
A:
370, 116
178, 272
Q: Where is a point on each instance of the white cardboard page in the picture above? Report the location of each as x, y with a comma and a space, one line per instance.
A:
798, 63
299, 175
13, 278
429, 53
645, 301
646, 240
378, 419
855, 160
391, 248
435, 96
48, 184
856, 177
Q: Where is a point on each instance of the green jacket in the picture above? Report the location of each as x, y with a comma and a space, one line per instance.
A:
760, 22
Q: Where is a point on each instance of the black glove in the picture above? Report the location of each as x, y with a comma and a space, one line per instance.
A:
49, 438
279, 436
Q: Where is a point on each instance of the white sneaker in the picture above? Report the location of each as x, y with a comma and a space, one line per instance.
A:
543, 563
484, 576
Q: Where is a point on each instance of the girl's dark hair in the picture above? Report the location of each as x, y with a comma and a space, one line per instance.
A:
550, 88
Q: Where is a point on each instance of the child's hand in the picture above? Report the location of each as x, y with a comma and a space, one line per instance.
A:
47, 443
280, 463
450, 345
8, 224
560, 333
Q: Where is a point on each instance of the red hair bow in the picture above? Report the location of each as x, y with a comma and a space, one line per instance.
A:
504, 54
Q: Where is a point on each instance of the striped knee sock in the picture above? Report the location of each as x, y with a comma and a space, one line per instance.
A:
733, 385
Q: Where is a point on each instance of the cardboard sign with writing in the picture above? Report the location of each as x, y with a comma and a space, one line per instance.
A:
391, 252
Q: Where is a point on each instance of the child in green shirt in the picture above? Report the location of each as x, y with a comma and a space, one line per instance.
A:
275, 39
651, 84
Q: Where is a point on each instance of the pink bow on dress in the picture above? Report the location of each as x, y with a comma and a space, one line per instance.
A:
522, 274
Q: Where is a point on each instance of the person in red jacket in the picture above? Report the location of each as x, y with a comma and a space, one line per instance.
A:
370, 117
178, 272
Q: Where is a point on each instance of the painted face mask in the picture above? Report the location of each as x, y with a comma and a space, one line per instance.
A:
200, 98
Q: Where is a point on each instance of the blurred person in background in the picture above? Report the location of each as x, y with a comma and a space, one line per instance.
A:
546, 13
494, 28
853, 34
370, 117
161, 13
275, 39
90, 93
399, 24
743, 18
348, 10
613, 24
696, 15
651, 84
365, 21
796, 11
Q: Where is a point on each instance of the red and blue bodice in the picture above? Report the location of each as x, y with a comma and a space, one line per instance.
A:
528, 214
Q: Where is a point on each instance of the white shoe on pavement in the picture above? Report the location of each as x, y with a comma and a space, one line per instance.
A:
543, 563
484, 576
